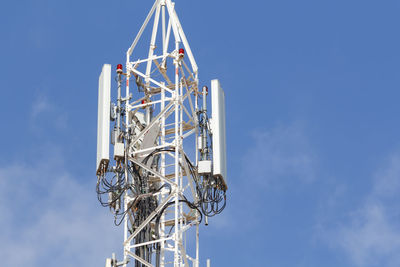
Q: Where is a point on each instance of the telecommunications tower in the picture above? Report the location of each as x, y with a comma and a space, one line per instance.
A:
167, 173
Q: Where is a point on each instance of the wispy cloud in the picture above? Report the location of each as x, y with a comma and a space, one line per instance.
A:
45, 114
274, 159
40, 105
280, 153
51, 218
370, 235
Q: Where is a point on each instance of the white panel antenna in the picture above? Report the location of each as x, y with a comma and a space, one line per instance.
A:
218, 130
103, 120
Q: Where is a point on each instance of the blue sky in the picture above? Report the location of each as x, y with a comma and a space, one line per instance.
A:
312, 92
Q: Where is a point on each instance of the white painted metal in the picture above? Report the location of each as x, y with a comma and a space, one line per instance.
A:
204, 167
118, 150
174, 107
103, 119
218, 130
108, 262
162, 114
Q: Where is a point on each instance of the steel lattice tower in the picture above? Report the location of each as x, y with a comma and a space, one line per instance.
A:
167, 176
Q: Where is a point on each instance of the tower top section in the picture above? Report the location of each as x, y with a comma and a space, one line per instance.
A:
172, 32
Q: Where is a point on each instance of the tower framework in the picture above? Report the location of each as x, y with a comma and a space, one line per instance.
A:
162, 182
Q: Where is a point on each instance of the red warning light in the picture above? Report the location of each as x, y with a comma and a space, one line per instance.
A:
119, 68
181, 52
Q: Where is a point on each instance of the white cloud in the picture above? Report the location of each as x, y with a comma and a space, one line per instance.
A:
50, 218
370, 235
387, 180
40, 105
371, 238
281, 153
275, 158
45, 114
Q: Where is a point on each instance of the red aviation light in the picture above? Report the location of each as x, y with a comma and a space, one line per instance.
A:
181, 52
119, 68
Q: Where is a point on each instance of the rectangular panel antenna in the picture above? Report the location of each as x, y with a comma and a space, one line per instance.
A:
218, 131
103, 120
